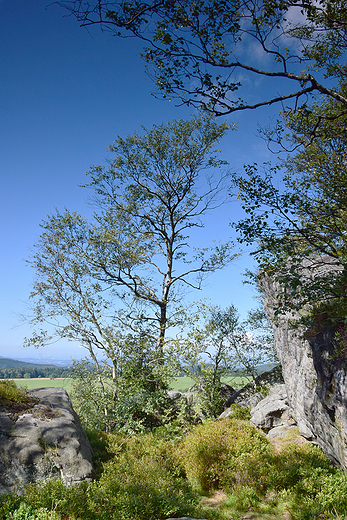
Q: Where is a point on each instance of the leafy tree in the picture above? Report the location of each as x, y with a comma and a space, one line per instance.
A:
136, 249
296, 214
223, 345
121, 275
129, 403
199, 51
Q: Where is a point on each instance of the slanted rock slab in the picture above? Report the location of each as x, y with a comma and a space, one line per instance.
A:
45, 441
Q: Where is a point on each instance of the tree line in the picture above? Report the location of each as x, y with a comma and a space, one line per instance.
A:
32, 373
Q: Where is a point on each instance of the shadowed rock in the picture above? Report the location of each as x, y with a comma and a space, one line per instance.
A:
45, 441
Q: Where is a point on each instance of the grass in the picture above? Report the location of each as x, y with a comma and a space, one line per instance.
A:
12, 398
30, 384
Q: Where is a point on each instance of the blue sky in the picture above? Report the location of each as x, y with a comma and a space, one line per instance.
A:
66, 93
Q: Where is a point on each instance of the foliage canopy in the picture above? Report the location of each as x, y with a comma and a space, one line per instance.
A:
296, 212
201, 52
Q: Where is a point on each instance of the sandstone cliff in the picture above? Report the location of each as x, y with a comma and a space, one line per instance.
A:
315, 376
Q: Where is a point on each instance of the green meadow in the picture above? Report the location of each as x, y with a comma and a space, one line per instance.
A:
30, 384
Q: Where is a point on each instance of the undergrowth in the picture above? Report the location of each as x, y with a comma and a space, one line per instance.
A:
172, 472
13, 398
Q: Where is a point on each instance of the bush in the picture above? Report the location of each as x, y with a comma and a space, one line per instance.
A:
244, 499
8, 504
54, 496
135, 402
239, 412
104, 447
333, 495
159, 475
326, 498
295, 466
216, 455
26, 512
12, 397
140, 488
235, 457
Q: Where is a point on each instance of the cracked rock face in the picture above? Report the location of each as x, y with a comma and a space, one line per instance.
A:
45, 441
315, 379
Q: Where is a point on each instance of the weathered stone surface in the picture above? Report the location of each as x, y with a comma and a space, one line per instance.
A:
174, 395
249, 402
226, 390
272, 411
252, 400
46, 441
315, 379
191, 400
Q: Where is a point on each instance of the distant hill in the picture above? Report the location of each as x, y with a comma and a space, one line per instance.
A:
18, 369
14, 363
46, 361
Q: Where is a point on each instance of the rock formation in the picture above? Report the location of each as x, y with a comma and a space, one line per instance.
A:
273, 410
315, 376
44, 441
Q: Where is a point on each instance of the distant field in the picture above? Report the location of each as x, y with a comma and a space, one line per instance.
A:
43, 383
179, 383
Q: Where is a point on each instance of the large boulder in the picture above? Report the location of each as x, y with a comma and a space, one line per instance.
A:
43, 441
273, 410
315, 377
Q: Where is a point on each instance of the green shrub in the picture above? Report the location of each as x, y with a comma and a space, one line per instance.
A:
53, 495
244, 499
165, 450
296, 466
333, 495
216, 455
159, 475
326, 498
43, 514
239, 412
13, 397
8, 504
24, 512
27, 512
104, 447
140, 488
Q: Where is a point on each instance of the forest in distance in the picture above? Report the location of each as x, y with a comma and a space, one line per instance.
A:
15, 369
